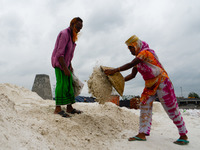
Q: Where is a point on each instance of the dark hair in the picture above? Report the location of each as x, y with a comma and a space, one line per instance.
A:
75, 20
78, 19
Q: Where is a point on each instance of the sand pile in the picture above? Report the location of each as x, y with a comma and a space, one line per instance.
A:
99, 85
27, 122
15, 128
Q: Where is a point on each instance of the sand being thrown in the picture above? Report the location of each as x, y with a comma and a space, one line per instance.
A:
99, 85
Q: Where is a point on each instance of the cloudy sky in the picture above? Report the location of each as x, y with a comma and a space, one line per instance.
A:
28, 30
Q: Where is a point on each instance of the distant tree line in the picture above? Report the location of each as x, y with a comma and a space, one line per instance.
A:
128, 97
193, 95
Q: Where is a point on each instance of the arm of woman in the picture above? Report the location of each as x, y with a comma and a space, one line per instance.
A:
132, 75
64, 66
127, 66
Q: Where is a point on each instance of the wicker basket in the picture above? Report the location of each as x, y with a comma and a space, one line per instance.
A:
117, 80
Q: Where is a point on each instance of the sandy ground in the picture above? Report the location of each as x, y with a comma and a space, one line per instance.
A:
27, 122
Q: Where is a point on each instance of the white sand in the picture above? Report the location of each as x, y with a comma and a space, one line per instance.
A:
99, 85
27, 122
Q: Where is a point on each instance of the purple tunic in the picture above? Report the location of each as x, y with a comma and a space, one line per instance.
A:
64, 47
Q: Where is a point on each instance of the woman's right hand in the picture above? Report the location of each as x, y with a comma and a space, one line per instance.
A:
63, 65
110, 71
67, 72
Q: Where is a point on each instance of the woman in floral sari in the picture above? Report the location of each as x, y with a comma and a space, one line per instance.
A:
157, 84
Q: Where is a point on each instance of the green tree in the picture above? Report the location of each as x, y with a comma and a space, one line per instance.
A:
193, 94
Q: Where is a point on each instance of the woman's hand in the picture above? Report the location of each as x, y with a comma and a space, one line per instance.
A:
110, 71
63, 65
66, 71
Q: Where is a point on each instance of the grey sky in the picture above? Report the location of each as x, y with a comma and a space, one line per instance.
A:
171, 27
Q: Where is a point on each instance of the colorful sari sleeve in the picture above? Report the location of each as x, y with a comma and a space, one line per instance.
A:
143, 55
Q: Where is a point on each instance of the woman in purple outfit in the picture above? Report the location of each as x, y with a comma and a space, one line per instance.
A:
61, 61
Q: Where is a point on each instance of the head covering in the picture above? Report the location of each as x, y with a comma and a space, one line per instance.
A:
132, 39
135, 42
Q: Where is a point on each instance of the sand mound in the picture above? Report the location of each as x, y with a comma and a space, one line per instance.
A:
99, 85
158, 108
27, 122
